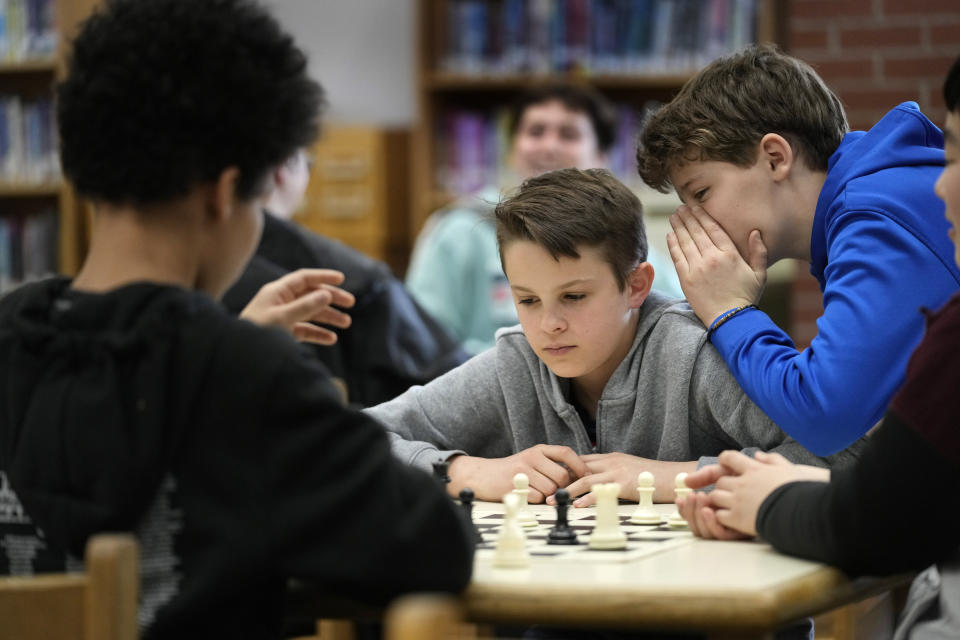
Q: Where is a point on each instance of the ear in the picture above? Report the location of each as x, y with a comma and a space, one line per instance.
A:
777, 155
223, 195
639, 282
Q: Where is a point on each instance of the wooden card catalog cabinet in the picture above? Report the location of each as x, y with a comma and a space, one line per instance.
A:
358, 191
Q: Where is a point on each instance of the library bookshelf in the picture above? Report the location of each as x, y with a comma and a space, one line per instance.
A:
474, 56
43, 226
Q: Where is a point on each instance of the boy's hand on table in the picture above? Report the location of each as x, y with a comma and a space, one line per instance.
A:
548, 467
701, 516
300, 298
625, 468
714, 276
746, 482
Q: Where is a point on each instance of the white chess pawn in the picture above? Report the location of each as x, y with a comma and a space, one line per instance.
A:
511, 545
607, 533
521, 489
675, 520
645, 513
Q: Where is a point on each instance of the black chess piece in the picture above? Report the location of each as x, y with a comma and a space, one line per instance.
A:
466, 501
440, 472
561, 533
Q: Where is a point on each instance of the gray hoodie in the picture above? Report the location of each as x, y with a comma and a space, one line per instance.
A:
671, 398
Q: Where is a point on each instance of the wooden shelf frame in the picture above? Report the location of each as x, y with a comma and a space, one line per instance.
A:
436, 87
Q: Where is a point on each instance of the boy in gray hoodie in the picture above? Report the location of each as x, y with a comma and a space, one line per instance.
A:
602, 379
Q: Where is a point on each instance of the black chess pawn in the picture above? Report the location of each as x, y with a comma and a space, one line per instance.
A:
466, 501
561, 533
440, 472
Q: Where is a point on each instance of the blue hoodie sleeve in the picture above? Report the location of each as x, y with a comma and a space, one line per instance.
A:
878, 277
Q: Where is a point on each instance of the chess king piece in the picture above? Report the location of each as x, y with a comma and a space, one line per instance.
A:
645, 513
562, 533
466, 501
521, 489
510, 550
676, 521
607, 534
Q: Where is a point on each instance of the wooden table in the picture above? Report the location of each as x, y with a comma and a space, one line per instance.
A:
727, 589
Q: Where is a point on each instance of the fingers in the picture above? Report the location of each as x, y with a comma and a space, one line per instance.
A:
687, 508
580, 490
568, 457
707, 232
303, 280
685, 241
340, 297
586, 500
328, 315
758, 255
307, 332
705, 476
735, 461
677, 255
772, 458
710, 522
693, 224
541, 485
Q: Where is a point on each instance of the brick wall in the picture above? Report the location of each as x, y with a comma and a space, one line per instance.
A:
874, 54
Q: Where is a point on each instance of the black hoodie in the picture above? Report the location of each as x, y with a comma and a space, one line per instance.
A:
149, 409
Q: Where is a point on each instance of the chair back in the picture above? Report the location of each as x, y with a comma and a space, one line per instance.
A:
98, 604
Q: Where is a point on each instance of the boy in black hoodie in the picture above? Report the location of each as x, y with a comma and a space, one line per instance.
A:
129, 400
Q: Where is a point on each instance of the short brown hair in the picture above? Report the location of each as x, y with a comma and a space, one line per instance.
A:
570, 208
724, 110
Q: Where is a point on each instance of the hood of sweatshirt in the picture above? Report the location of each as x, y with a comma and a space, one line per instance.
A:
903, 138
91, 390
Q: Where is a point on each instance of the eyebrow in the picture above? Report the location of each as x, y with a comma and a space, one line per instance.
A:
565, 285
949, 135
686, 184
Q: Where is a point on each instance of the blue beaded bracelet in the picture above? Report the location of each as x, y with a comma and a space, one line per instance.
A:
726, 315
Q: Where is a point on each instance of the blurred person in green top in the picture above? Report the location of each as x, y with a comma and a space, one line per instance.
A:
455, 271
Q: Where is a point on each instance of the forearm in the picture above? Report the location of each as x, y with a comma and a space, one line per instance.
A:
866, 519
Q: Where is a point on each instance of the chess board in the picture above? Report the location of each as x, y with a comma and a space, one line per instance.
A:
642, 540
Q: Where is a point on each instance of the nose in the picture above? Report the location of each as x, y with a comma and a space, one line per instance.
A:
938, 186
552, 322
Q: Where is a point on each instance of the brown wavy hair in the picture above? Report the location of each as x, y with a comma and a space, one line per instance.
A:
724, 110
567, 209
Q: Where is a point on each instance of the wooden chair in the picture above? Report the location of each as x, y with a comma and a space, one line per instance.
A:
427, 616
99, 604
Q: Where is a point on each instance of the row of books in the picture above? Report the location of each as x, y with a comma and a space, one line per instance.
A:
473, 148
27, 29
28, 141
593, 36
28, 248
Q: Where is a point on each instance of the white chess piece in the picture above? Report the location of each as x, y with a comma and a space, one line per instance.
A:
607, 533
645, 513
676, 521
521, 488
511, 545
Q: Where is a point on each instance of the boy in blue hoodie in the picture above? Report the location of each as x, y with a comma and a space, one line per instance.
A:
759, 151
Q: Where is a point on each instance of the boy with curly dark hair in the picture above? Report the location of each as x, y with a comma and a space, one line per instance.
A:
758, 148
132, 401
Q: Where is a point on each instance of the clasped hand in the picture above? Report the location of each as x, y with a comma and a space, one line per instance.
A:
741, 485
552, 467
